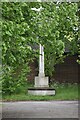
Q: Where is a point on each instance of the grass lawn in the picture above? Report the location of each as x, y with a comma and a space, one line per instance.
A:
63, 92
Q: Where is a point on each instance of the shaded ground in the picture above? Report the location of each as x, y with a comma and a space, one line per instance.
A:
40, 109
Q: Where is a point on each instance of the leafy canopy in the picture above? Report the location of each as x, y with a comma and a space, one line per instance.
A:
55, 27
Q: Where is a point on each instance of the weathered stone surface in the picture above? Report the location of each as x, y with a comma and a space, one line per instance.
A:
41, 81
41, 61
41, 92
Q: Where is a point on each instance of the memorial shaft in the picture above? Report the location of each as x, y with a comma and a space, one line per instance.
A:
41, 61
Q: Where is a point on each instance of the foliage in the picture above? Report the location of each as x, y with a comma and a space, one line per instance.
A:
16, 50
78, 13
55, 28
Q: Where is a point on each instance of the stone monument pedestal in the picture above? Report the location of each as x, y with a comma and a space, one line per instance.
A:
41, 81
41, 87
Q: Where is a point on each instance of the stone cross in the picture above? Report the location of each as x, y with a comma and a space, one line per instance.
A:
41, 80
41, 85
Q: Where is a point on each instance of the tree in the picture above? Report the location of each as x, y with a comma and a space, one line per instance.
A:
56, 27
16, 50
78, 13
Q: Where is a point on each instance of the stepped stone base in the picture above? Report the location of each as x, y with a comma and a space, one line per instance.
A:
41, 87
41, 91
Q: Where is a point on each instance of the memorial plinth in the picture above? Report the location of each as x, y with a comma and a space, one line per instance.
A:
41, 81
41, 86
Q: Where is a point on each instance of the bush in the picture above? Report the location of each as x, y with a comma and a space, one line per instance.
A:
14, 79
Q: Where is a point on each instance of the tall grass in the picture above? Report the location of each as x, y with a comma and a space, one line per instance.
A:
63, 92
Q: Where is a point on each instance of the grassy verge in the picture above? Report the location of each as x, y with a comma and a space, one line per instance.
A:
63, 92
